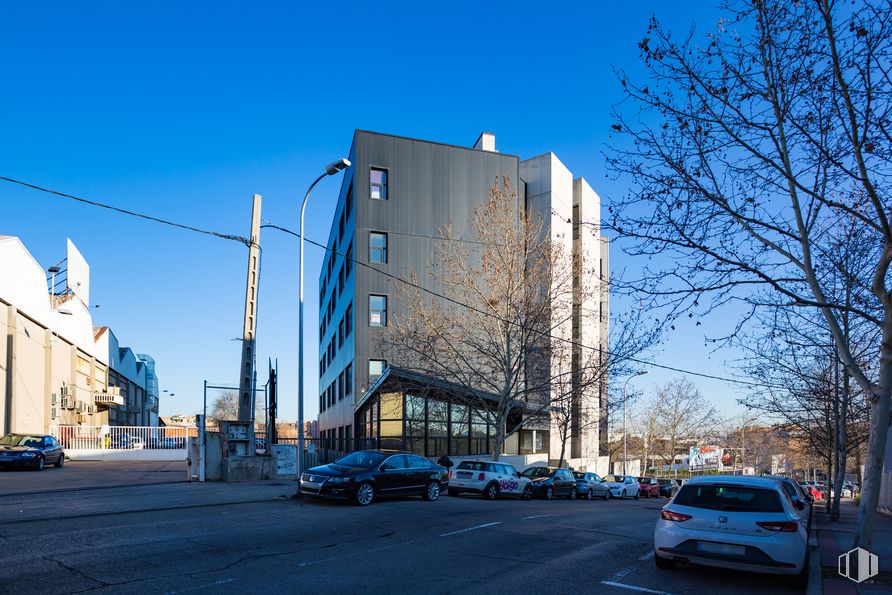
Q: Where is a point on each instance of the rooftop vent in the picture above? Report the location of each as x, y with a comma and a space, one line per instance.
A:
486, 142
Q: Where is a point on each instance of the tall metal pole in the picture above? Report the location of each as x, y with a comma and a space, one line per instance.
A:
247, 371
330, 170
300, 342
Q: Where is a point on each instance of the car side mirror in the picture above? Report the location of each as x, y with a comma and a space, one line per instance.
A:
386, 467
800, 505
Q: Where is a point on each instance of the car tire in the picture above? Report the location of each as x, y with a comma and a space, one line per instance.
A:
637, 494
623, 497
664, 563
58, 464
39, 464
572, 495
432, 491
549, 493
453, 492
365, 494
588, 495
491, 492
607, 494
528, 493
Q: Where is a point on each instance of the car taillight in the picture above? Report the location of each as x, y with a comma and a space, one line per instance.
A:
449, 475
481, 477
784, 526
668, 515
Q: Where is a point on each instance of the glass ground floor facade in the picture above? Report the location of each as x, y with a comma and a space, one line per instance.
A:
432, 421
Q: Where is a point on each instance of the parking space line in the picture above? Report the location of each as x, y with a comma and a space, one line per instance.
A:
647, 556
633, 588
471, 529
537, 516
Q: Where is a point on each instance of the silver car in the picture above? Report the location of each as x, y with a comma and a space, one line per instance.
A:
590, 485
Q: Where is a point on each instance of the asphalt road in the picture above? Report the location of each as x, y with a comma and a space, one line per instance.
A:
247, 538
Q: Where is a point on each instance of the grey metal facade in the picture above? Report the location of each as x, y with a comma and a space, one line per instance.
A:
429, 185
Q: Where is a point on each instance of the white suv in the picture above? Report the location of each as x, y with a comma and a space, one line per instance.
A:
490, 479
733, 521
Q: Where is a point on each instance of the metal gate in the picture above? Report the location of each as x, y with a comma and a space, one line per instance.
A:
123, 443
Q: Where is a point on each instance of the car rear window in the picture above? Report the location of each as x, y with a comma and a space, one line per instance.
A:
729, 497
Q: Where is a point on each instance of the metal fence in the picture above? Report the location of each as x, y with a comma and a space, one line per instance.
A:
321, 451
122, 438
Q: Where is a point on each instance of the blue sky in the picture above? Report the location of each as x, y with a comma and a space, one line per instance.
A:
184, 111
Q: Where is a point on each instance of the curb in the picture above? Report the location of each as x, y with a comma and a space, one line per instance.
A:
815, 574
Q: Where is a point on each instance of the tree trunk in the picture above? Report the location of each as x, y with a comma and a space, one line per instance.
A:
873, 468
828, 505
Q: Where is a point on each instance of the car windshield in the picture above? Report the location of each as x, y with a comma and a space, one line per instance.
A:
19, 440
472, 465
643, 480
664, 482
361, 458
579, 475
616, 478
537, 472
729, 498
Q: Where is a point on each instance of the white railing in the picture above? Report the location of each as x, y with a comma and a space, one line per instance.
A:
122, 438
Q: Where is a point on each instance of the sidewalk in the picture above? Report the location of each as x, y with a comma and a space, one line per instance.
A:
835, 539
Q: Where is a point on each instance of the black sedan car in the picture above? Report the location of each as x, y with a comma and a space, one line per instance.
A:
33, 451
668, 487
365, 475
549, 482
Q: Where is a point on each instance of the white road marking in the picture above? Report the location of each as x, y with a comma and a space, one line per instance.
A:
621, 574
537, 516
633, 588
470, 529
647, 556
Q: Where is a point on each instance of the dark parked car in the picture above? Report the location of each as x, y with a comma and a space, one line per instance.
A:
30, 450
365, 475
590, 485
549, 482
668, 487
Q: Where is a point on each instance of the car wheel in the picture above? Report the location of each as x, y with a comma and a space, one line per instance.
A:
60, 462
572, 494
607, 494
491, 492
588, 495
365, 493
453, 492
637, 494
664, 563
528, 493
623, 497
549, 493
432, 492
38, 465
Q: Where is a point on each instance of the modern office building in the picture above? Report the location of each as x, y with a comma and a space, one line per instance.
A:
395, 198
56, 368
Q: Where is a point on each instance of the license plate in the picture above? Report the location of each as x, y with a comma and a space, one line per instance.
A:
463, 474
721, 548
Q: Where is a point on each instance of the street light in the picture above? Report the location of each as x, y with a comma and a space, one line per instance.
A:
330, 170
625, 452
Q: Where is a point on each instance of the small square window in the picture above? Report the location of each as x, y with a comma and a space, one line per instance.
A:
377, 247
376, 368
377, 310
378, 183
348, 379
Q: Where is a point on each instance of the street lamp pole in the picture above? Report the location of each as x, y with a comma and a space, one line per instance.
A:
625, 445
330, 170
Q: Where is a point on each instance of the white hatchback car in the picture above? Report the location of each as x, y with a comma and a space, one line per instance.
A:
490, 479
732, 521
623, 486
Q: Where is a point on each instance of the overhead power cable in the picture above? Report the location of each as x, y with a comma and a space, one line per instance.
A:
499, 318
225, 236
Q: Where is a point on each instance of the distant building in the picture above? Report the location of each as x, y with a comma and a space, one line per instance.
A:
181, 421
56, 368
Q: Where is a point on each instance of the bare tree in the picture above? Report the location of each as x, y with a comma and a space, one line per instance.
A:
744, 151
225, 406
684, 417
